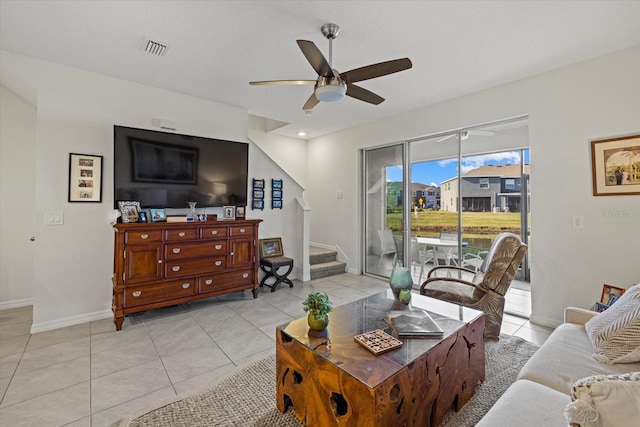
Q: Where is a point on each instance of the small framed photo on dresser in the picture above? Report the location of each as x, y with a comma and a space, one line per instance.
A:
240, 211
129, 211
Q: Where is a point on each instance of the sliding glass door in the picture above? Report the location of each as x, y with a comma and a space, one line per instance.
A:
384, 201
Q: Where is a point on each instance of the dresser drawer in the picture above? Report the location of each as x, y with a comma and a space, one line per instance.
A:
143, 236
141, 295
194, 250
213, 232
216, 282
241, 231
182, 234
194, 267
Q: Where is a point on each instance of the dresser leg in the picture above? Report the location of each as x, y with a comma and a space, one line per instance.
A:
255, 292
118, 322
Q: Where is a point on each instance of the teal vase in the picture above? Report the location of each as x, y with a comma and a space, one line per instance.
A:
400, 279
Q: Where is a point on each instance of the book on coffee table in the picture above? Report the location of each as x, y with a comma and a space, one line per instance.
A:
413, 324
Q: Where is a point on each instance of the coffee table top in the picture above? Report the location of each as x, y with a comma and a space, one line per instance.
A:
337, 345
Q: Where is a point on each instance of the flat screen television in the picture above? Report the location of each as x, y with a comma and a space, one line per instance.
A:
167, 170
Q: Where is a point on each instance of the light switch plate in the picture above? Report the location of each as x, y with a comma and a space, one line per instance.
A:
54, 218
577, 221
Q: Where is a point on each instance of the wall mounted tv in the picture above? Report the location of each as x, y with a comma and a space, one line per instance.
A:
167, 170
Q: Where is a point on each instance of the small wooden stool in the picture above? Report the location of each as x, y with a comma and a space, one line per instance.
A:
271, 265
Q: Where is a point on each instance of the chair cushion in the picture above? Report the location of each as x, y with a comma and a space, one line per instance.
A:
615, 332
605, 400
451, 291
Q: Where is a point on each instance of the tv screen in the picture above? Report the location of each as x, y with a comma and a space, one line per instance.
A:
168, 170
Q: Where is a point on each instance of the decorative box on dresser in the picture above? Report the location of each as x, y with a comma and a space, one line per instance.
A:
162, 264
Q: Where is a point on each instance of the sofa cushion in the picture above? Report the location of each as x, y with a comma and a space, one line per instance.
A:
615, 333
565, 357
605, 400
527, 404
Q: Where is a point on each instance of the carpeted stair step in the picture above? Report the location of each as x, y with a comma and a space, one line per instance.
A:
319, 255
327, 269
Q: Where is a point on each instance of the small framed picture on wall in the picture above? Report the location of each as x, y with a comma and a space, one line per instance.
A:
85, 178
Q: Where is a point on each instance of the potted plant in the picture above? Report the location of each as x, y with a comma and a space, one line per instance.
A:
318, 306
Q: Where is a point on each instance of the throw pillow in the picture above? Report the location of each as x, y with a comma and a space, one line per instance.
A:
615, 333
605, 401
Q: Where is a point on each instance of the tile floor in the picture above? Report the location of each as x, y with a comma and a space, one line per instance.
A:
90, 375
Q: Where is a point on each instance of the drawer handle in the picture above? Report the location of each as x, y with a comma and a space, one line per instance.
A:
181, 234
144, 236
208, 282
159, 261
186, 285
218, 263
176, 268
218, 247
245, 275
242, 230
176, 250
214, 232
137, 293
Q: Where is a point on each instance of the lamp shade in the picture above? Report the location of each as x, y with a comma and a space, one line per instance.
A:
330, 93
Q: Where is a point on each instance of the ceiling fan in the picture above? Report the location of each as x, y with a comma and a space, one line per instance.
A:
332, 86
467, 133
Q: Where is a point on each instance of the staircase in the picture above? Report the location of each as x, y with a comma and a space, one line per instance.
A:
323, 263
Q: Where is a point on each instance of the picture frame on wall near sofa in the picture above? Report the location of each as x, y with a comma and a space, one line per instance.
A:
616, 166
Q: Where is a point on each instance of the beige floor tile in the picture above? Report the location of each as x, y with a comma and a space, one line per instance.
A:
82, 422
119, 387
108, 417
58, 336
53, 354
38, 382
9, 364
245, 344
203, 380
16, 315
53, 409
194, 361
112, 340
14, 345
15, 329
118, 358
532, 335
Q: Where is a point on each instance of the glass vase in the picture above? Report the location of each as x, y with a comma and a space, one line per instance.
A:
400, 279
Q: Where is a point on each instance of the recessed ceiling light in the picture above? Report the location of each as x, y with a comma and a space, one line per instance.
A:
302, 133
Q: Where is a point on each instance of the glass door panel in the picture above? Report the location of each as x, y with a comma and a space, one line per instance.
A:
383, 209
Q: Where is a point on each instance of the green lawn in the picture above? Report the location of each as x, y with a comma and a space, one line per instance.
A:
474, 224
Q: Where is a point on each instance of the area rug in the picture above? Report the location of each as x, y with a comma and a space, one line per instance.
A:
247, 397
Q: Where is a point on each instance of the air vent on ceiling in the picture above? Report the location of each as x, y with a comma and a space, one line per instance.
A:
155, 47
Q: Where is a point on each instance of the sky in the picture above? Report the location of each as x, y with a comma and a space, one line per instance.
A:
435, 172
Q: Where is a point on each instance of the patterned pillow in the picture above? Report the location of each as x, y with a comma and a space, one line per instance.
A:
615, 333
605, 400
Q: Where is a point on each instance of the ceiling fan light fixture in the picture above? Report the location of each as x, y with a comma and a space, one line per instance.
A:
331, 93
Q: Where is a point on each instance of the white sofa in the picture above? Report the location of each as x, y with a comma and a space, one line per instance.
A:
542, 391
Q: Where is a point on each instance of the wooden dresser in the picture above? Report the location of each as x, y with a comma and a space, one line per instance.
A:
161, 264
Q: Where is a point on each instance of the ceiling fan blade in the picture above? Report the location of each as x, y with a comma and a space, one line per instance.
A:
284, 82
362, 94
315, 58
376, 70
311, 102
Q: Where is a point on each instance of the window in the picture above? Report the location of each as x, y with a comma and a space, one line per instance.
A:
510, 184
484, 182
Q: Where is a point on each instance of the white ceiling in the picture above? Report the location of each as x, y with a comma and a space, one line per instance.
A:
217, 47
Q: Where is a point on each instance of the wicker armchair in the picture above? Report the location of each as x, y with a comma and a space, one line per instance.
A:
486, 290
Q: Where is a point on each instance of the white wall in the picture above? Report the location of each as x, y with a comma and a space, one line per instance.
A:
76, 111
567, 108
17, 151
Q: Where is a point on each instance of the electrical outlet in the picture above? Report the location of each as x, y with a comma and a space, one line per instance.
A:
339, 195
53, 218
577, 221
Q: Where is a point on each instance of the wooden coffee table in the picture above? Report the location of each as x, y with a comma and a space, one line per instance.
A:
330, 380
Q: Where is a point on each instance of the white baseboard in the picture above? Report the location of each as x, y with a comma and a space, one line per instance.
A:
17, 303
70, 321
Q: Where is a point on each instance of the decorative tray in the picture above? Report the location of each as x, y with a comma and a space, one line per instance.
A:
378, 341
